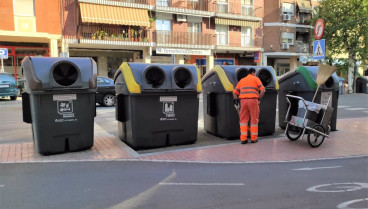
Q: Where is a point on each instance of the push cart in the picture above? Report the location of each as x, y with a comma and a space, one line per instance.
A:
304, 117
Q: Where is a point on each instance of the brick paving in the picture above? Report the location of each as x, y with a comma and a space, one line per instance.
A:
351, 140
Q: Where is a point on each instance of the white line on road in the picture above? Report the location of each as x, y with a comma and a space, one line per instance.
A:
2, 185
356, 108
202, 184
316, 168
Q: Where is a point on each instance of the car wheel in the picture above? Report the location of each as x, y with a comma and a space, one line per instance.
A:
13, 97
108, 100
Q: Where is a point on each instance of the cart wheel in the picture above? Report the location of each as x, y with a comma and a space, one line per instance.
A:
315, 139
293, 132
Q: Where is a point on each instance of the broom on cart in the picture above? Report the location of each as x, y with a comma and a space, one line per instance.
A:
324, 72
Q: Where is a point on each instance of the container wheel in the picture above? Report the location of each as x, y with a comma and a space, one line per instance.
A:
293, 132
315, 139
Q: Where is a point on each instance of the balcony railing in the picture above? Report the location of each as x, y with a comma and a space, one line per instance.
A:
182, 38
234, 8
114, 33
301, 47
128, 1
243, 41
202, 5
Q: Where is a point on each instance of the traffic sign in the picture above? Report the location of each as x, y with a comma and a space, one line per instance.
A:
3, 53
319, 49
319, 29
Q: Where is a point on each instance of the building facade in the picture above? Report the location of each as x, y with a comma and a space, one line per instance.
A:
201, 32
287, 33
29, 29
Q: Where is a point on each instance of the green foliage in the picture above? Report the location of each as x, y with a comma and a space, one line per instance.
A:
346, 29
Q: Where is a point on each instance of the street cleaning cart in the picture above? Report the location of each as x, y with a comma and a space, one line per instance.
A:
307, 117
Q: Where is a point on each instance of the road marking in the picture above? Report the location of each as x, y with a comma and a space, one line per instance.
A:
202, 184
316, 168
345, 205
2, 185
339, 187
342, 106
356, 108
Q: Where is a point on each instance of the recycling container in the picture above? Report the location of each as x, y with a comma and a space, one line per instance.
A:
157, 104
302, 82
59, 102
361, 85
220, 117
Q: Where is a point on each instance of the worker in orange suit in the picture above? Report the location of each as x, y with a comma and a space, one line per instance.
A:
247, 96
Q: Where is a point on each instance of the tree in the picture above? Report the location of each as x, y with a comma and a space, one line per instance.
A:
346, 31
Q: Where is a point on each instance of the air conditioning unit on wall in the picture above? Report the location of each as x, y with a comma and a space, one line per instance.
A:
284, 46
181, 18
286, 17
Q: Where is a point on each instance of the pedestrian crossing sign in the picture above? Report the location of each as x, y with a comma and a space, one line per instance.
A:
319, 49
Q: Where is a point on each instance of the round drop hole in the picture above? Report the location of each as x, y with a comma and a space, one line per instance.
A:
330, 82
155, 76
182, 77
241, 73
265, 76
65, 73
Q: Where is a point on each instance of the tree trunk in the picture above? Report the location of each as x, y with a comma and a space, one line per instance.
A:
351, 74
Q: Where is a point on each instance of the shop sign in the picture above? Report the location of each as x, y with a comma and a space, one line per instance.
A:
183, 51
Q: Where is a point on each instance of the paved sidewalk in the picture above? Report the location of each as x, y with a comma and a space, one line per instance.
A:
351, 140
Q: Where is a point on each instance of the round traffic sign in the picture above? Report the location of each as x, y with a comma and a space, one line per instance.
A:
319, 28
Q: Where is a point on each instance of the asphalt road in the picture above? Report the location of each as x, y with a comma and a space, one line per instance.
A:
326, 184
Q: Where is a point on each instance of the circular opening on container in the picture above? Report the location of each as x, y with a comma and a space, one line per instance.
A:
265, 76
154, 76
182, 77
65, 73
330, 82
241, 73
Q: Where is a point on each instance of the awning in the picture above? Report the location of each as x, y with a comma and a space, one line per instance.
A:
305, 6
223, 21
97, 13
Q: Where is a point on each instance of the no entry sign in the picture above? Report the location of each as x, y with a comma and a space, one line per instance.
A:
319, 28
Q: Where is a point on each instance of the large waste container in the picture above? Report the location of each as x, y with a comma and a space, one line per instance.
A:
220, 117
361, 84
157, 104
302, 82
59, 102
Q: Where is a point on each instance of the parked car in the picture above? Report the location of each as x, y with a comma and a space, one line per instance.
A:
8, 86
105, 94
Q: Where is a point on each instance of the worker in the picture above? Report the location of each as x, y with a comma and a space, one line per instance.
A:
247, 96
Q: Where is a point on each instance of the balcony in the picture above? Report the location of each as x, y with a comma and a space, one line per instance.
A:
187, 7
128, 3
182, 39
223, 41
120, 35
301, 47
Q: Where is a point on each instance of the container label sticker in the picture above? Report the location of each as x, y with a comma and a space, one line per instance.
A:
64, 97
168, 98
326, 98
65, 109
168, 109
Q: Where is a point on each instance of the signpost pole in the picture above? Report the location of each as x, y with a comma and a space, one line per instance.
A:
2, 65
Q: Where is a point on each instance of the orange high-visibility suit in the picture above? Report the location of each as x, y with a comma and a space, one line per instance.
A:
249, 90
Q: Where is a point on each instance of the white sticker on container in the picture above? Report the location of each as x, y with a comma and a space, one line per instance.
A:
326, 98
64, 97
168, 99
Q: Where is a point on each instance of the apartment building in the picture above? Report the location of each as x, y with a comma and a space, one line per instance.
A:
202, 32
287, 33
29, 28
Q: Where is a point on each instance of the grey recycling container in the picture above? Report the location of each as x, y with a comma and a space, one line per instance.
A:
361, 85
219, 115
302, 82
157, 104
59, 102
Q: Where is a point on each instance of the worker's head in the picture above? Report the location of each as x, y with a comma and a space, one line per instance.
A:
252, 71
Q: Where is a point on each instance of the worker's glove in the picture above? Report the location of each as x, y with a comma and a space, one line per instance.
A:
236, 104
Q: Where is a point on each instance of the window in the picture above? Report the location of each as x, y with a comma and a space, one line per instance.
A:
287, 38
163, 28
163, 3
194, 27
222, 34
24, 8
163, 25
247, 7
288, 8
246, 36
222, 6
